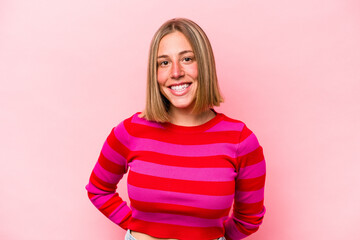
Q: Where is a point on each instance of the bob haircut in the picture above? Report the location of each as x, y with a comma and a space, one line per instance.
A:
207, 93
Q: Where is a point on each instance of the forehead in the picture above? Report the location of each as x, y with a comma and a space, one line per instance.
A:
173, 43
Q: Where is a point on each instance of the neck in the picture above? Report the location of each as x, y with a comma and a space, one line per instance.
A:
185, 117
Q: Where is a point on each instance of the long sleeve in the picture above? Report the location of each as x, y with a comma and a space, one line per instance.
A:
108, 171
249, 210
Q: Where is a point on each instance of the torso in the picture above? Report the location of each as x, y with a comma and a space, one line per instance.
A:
200, 182
143, 236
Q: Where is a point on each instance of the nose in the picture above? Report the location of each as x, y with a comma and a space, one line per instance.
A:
176, 70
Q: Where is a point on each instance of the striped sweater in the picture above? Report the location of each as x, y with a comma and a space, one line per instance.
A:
182, 181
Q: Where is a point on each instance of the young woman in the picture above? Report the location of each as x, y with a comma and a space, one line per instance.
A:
187, 164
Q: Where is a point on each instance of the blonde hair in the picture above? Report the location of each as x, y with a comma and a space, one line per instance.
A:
207, 94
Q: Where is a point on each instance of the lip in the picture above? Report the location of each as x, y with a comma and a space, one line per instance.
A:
180, 93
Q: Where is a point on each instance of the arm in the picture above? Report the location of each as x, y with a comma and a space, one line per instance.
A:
249, 207
109, 169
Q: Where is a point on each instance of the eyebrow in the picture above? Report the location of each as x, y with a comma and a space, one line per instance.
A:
180, 53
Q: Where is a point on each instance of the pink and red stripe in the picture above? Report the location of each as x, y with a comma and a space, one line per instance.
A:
182, 180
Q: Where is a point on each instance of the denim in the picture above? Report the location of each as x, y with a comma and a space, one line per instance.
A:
128, 236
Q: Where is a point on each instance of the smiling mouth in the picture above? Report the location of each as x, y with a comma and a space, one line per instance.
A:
179, 88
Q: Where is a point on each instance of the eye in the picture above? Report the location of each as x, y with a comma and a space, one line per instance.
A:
188, 59
163, 63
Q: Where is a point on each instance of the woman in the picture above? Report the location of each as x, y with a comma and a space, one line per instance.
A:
187, 163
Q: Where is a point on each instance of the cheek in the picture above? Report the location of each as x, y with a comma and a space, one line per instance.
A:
193, 70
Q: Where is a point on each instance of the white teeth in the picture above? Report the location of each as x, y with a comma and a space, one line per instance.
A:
180, 87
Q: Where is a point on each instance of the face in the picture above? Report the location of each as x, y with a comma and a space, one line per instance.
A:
177, 71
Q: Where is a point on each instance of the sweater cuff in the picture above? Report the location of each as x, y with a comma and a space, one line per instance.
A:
125, 222
231, 231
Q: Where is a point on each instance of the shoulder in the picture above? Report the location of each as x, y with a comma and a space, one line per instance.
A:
227, 123
230, 119
245, 135
136, 123
249, 151
136, 120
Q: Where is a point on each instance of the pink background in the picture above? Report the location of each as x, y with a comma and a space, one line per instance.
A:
71, 70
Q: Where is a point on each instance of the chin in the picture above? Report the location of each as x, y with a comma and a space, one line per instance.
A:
182, 106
